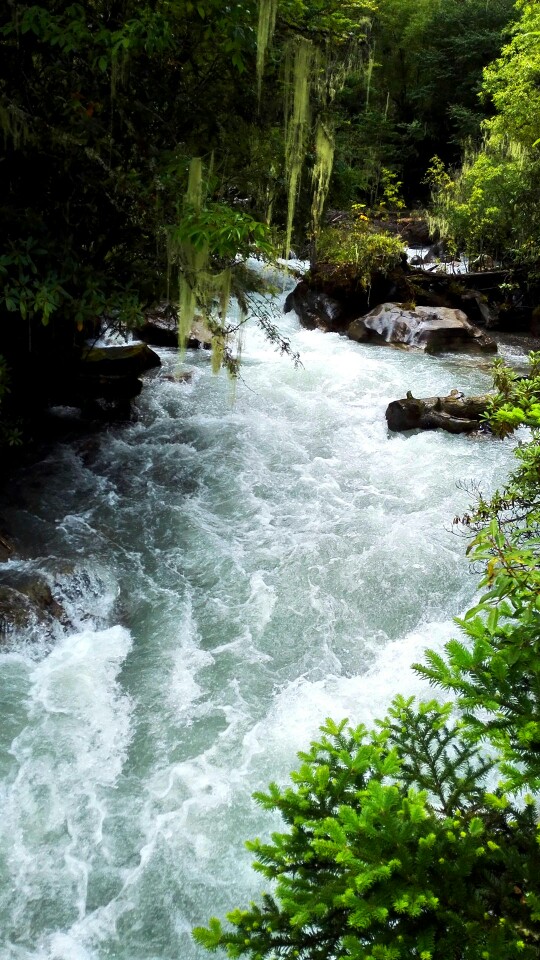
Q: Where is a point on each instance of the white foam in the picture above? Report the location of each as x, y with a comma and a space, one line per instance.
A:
276, 561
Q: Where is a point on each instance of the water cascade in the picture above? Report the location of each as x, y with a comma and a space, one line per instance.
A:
231, 574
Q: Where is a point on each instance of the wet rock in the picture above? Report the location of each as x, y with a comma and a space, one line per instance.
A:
127, 360
330, 298
432, 329
36, 588
475, 305
437, 251
26, 601
315, 309
160, 328
414, 230
104, 380
453, 413
186, 376
16, 612
199, 335
7, 546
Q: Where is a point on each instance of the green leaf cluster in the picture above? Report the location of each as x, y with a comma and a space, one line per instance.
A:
490, 205
353, 251
417, 95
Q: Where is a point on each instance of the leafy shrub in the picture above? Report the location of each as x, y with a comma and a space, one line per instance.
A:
354, 249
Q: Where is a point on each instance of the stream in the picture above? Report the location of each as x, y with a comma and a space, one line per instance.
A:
233, 573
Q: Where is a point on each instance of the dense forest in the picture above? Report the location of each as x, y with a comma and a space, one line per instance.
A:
150, 149
288, 109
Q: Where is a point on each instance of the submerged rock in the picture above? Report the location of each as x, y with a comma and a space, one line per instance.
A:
432, 329
453, 413
27, 601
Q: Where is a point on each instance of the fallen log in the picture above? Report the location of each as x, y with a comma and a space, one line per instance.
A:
454, 413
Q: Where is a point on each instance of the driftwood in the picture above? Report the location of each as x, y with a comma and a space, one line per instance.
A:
454, 413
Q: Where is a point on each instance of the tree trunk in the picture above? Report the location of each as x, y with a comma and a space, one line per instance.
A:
454, 413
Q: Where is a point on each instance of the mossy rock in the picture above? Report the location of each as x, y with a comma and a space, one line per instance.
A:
128, 360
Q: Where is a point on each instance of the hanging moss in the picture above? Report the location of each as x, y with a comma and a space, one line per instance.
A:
299, 64
195, 184
225, 283
14, 125
322, 171
200, 291
119, 70
218, 350
187, 306
369, 74
265, 32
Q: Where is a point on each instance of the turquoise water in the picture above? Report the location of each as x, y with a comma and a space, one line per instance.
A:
234, 573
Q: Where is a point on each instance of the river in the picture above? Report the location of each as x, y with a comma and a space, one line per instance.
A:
234, 572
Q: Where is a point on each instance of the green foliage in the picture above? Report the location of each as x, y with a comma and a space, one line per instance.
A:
491, 204
375, 865
356, 251
102, 108
418, 94
494, 671
517, 401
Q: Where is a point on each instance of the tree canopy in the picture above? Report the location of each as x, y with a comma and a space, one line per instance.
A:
106, 104
490, 204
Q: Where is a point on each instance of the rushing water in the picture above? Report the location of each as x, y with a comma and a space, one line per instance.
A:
234, 573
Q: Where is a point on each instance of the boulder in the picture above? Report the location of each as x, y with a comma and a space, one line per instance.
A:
108, 375
160, 328
414, 230
27, 601
453, 413
432, 329
123, 360
437, 251
315, 308
478, 310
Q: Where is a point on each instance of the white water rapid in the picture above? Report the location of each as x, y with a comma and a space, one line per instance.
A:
233, 574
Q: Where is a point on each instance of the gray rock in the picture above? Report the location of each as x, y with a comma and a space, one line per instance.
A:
432, 329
